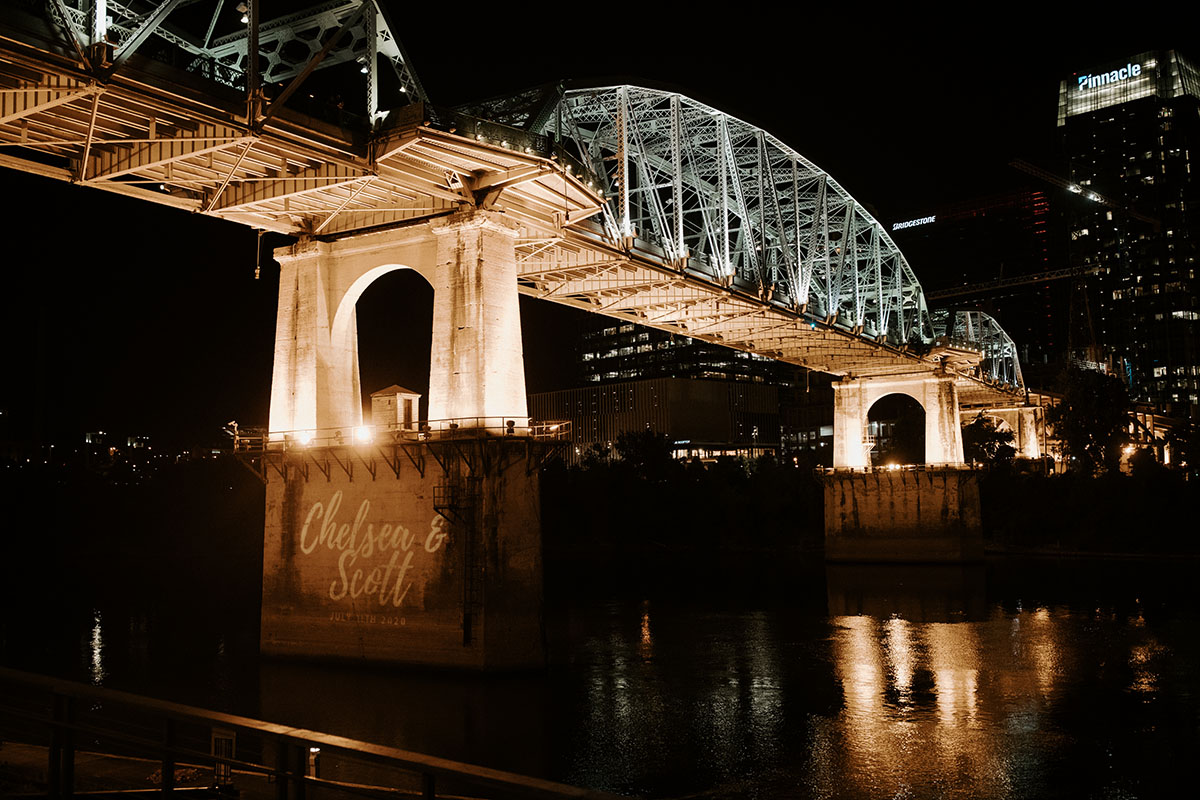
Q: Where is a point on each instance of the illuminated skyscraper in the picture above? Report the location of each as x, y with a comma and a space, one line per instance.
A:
1131, 133
626, 352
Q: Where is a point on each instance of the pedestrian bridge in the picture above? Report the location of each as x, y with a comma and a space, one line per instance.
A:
635, 203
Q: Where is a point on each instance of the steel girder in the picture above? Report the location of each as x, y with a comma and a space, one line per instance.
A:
59, 122
734, 202
710, 194
711, 229
1000, 362
286, 44
582, 268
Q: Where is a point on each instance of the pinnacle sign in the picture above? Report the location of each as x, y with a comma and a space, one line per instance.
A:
1105, 78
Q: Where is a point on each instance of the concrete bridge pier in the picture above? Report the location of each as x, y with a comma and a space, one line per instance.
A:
476, 368
853, 398
928, 515
1026, 423
387, 543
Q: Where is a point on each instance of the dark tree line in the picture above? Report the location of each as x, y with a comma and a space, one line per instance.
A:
1091, 421
642, 498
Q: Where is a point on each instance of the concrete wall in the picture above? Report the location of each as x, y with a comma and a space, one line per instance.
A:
902, 516
366, 568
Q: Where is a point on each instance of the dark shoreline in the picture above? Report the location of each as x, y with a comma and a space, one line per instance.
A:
202, 522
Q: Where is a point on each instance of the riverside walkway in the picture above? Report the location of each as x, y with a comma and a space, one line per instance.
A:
59, 738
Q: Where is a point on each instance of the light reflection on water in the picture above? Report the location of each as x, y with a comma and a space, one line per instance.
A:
934, 707
96, 664
892, 682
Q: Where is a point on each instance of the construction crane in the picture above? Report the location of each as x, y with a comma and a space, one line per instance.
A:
1084, 192
1004, 283
1078, 292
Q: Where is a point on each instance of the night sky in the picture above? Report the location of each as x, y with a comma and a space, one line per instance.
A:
125, 316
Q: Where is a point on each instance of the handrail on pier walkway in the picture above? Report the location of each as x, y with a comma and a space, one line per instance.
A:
258, 441
66, 717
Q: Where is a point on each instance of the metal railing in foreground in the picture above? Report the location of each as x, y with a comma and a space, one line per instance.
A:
235, 755
399, 433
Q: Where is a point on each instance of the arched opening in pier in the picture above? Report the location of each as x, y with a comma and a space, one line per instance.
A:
896, 425
395, 332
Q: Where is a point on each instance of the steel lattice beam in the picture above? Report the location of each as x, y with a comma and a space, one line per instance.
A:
682, 218
696, 188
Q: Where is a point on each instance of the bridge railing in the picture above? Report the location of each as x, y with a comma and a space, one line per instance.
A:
931, 467
506, 136
140, 744
400, 433
203, 66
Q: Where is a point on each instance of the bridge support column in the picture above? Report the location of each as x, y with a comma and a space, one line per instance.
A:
850, 425
928, 515
1027, 424
477, 366
477, 370
853, 398
1029, 432
403, 547
314, 383
411, 551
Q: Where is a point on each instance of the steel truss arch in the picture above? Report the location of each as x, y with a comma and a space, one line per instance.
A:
286, 44
728, 200
981, 331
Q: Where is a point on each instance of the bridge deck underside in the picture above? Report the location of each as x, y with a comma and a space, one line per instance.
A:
160, 136
141, 134
577, 269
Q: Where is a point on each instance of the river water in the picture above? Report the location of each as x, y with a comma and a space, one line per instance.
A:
732, 677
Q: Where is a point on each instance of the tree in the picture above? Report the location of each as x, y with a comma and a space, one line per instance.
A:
1184, 443
1091, 421
984, 441
596, 457
1144, 464
647, 454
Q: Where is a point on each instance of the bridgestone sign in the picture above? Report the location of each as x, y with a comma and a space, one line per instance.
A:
912, 223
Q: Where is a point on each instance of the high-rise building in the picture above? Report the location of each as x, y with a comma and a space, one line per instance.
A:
705, 418
625, 352
1130, 131
714, 400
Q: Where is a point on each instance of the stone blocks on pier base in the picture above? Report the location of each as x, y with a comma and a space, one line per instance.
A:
903, 516
417, 553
